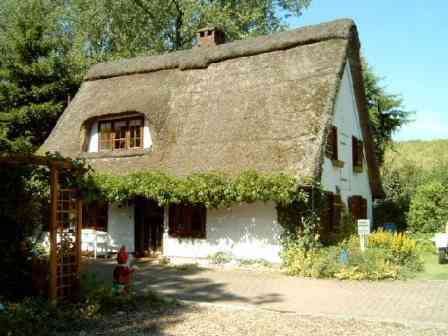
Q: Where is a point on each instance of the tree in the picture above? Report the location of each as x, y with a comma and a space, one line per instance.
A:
429, 208
386, 112
124, 28
37, 74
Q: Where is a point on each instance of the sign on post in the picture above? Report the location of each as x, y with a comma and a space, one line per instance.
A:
363, 232
363, 227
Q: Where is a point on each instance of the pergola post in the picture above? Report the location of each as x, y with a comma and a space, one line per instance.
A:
65, 224
54, 186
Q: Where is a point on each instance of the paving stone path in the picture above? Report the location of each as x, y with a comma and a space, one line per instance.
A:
418, 302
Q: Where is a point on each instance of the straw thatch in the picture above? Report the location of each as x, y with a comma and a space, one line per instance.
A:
263, 103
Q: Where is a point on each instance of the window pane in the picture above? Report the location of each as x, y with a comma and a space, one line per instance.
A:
121, 134
105, 136
135, 136
135, 122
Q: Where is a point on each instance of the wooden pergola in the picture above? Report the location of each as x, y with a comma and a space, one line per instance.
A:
65, 224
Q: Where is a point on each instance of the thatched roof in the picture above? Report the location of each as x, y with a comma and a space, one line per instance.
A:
263, 103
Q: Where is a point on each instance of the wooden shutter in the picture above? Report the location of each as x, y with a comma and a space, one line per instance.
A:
187, 221
172, 218
354, 151
360, 153
358, 207
363, 208
198, 219
357, 153
332, 143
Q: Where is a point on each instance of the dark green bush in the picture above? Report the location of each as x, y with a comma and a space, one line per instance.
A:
428, 212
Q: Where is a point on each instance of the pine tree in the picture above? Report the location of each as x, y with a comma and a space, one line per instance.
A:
37, 73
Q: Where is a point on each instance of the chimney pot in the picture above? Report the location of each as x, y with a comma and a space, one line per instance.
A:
210, 36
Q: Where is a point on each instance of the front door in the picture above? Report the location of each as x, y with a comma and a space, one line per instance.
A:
148, 227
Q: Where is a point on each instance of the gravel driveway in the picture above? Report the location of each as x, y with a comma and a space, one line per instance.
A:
424, 303
212, 319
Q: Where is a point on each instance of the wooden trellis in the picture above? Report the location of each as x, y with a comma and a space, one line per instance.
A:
65, 225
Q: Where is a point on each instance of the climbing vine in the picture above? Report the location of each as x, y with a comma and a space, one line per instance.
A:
214, 190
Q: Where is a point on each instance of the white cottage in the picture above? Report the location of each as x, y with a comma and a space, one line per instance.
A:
292, 103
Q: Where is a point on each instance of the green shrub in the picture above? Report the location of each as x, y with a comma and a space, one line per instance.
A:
424, 242
388, 256
28, 317
220, 258
428, 211
402, 248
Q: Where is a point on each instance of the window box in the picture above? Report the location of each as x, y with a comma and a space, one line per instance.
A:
358, 170
338, 163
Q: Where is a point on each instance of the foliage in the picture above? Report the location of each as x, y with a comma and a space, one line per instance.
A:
300, 218
408, 166
29, 317
259, 262
424, 243
123, 28
388, 256
20, 185
428, 211
35, 316
386, 111
402, 247
346, 228
211, 189
37, 73
220, 258
27, 186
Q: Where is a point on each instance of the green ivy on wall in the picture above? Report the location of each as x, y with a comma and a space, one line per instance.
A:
214, 190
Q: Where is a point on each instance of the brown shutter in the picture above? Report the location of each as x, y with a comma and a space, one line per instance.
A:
198, 221
357, 152
360, 152
332, 144
172, 220
363, 208
358, 207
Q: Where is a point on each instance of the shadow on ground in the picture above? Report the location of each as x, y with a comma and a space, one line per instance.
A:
188, 282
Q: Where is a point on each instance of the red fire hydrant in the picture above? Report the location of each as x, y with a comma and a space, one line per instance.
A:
122, 272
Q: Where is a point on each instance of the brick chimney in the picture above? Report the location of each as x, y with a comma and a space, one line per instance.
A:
210, 37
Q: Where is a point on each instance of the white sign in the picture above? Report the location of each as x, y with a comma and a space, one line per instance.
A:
363, 231
363, 227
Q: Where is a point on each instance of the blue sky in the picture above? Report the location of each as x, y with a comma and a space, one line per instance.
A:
406, 41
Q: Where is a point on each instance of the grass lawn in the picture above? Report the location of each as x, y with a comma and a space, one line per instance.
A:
433, 270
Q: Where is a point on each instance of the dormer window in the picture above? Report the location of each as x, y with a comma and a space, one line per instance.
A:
120, 134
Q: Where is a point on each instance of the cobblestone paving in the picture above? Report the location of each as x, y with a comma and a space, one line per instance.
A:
421, 302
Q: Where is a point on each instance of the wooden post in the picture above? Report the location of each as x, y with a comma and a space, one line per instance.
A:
78, 241
54, 185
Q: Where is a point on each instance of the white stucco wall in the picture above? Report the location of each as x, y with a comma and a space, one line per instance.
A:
346, 119
94, 137
120, 226
247, 231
